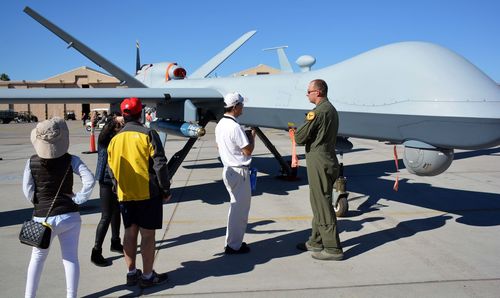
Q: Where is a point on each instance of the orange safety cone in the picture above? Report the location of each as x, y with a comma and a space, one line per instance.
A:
92, 139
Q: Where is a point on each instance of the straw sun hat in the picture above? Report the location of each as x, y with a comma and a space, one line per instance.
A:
51, 138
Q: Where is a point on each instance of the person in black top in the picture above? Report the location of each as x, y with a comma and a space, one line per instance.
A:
49, 173
110, 209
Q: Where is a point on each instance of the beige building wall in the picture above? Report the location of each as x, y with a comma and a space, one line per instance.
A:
85, 77
260, 69
82, 77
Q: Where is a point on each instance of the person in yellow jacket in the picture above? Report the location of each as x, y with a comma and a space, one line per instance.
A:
138, 168
319, 135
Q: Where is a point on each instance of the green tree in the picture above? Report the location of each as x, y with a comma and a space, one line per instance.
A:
4, 77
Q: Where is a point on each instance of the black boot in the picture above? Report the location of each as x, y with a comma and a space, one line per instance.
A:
116, 246
98, 259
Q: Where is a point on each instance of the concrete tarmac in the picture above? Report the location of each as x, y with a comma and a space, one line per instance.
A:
435, 237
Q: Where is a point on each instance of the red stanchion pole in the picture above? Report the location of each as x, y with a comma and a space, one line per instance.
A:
92, 139
295, 158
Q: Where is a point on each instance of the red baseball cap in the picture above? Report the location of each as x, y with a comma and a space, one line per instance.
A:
131, 106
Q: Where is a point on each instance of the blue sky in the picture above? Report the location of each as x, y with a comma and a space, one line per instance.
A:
191, 32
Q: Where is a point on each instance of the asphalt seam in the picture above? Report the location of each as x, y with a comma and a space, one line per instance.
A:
177, 204
338, 287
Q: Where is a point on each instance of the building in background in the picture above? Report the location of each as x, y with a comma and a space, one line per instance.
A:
260, 69
84, 77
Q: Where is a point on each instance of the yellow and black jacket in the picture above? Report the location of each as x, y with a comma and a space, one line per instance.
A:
137, 164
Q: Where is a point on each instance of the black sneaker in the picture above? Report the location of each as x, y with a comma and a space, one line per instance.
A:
155, 279
133, 279
97, 258
243, 250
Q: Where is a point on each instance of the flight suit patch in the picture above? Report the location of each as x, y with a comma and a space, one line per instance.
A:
310, 116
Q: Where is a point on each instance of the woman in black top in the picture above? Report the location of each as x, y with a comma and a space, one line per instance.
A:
110, 209
49, 173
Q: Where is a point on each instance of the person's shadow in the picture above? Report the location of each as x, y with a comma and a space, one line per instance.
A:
220, 265
363, 243
475, 208
262, 252
214, 233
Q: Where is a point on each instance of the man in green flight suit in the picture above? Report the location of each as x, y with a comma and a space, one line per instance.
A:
319, 134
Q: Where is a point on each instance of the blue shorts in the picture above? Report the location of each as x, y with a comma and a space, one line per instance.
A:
147, 214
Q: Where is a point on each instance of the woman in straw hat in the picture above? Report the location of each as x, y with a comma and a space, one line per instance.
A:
49, 170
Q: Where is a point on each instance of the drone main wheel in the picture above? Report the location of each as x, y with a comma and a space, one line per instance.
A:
342, 206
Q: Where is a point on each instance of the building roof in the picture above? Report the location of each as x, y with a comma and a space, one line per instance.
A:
260, 69
93, 76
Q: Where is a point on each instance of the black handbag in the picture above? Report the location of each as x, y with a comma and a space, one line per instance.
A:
35, 234
38, 234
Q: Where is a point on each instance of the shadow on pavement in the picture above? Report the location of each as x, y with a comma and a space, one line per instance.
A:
221, 265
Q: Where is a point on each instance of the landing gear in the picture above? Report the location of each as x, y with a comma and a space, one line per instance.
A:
340, 203
286, 172
340, 195
176, 160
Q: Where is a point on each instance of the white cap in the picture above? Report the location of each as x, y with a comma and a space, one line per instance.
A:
232, 99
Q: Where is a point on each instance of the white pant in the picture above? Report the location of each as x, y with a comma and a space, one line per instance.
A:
237, 182
67, 228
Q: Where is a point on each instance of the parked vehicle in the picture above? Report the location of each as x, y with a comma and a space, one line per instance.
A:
70, 115
25, 116
98, 126
99, 119
6, 116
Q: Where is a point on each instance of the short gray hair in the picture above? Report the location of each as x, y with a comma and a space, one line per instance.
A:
321, 86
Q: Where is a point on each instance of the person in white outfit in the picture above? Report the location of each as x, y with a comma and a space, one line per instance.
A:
45, 172
235, 150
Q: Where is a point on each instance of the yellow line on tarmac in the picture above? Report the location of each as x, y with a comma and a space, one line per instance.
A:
283, 218
251, 219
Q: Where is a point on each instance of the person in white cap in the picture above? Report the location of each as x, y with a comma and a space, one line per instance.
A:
51, 168
235, 150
